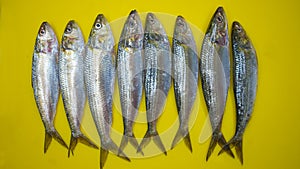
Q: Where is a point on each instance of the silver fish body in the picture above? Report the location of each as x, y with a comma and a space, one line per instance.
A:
157, 76
185, 75
71, 82
99, 73
130, 76
245, 72
215, 75
45, 81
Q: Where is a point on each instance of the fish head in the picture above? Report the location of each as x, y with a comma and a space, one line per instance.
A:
101, 35
153, 25
239, 35
154, 31
183, 33
72, 37
46, 32
219, 28
46, 40
133, 32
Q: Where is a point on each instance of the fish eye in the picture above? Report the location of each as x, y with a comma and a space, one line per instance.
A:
98, 25
68, 29
220, 18
152, 21
42, 32
131, 24
181, 24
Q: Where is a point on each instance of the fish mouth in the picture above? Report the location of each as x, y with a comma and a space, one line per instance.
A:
180, 25
180, 20
134, 15
220, 9
45, 24
133, 12
236, 25
150, 16
101, 19
180, 17
100, 16
71, 23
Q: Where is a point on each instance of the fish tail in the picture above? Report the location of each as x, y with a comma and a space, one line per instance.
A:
103, 157
144, 142
238, 144
212, 145
156, 139
160, 145
217, 137
48, 138
239, 150
222, 142
80, 138
186, 137
131, 139
187, 141
109, 145
123, 143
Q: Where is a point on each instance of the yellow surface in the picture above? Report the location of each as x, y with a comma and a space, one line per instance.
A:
270, 141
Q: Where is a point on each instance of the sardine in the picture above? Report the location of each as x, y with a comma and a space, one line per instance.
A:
157, 77
99, 79
215, 75
245, 84
130, 76
71, 82
45, 81
185, 77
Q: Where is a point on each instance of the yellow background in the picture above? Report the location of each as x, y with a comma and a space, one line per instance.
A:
271, 140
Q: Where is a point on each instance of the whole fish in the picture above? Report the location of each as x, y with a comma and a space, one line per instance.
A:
71, 82
157, 77
245, 84
45, 81
215, 75
185, 72
130, 76
99, 79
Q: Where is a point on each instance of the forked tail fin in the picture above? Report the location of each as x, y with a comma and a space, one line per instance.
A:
48, 138
107, 146
238, 144
186, 137
82, 139
217, 137
156, 139
131, 139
